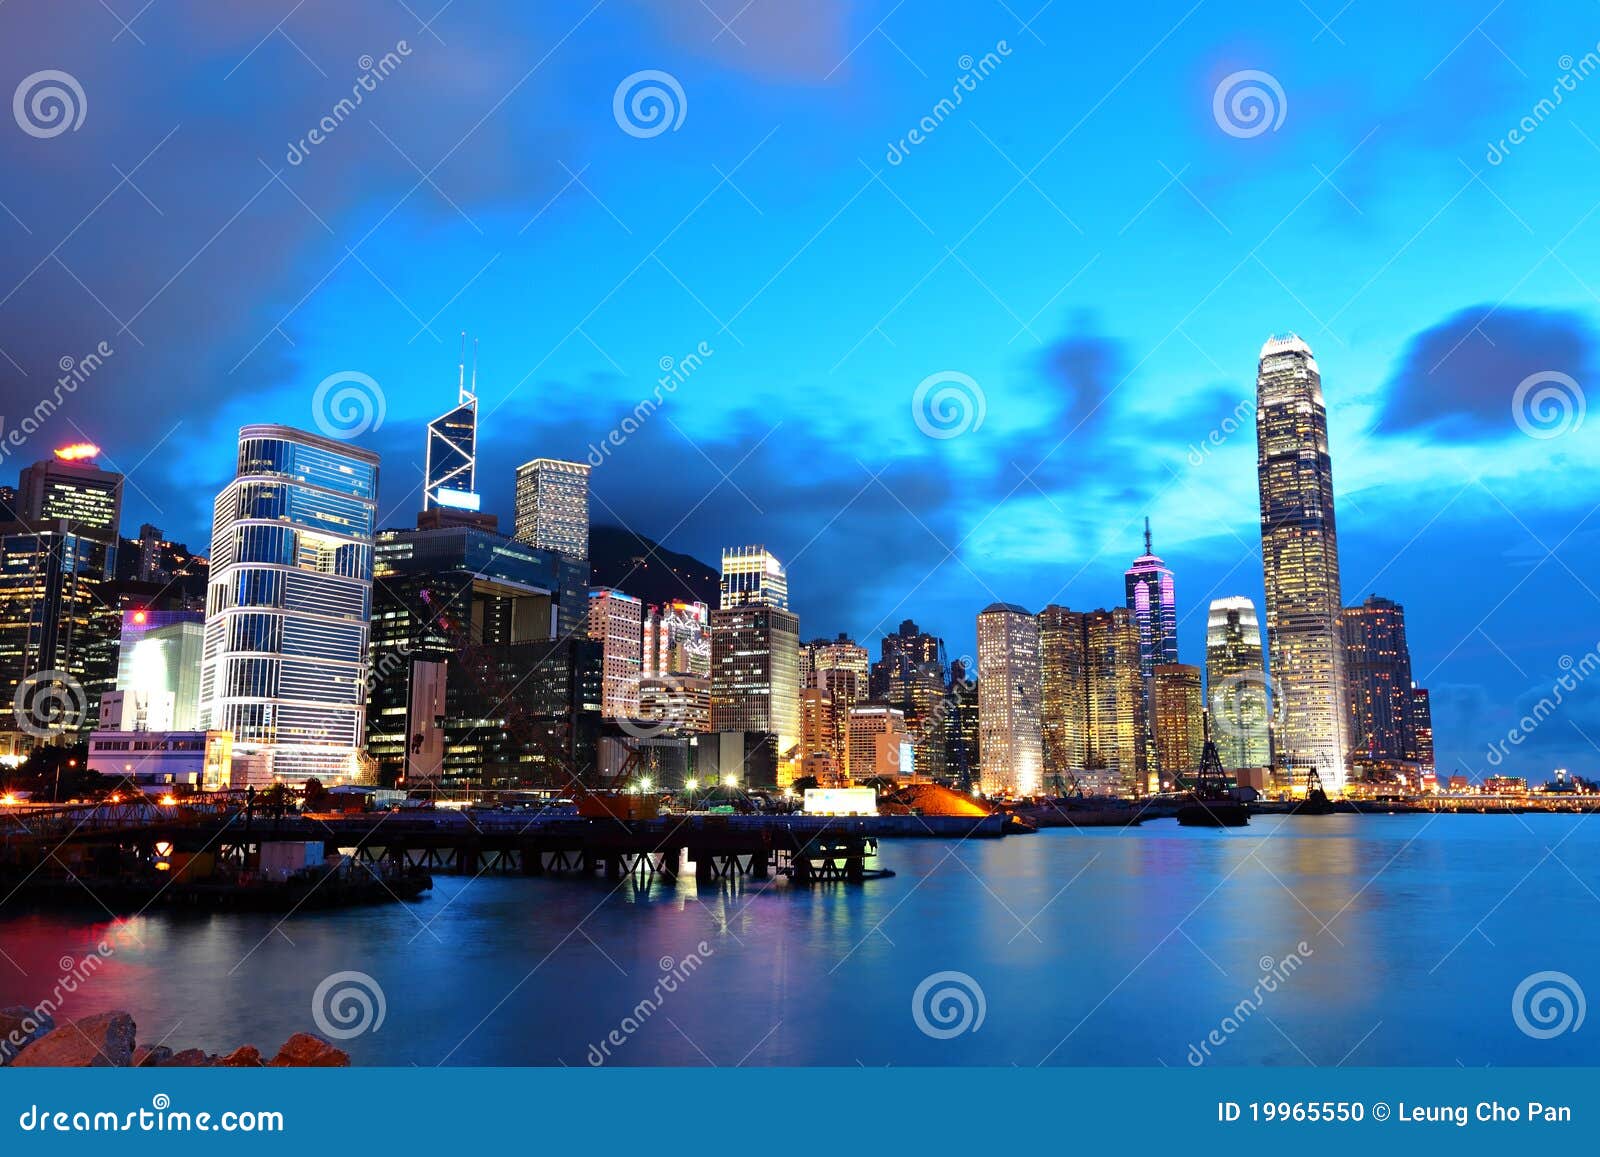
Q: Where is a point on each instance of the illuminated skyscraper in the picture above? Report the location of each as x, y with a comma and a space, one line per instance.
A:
913, 676
677, 640
450, 475
1377, 668
1064, 690
1419, 739
1115, 699
69, 487
616, 622
840, 669
755, 677
1010, 742
1300, 557
1152, 600
1178, 727
752, 576
289, 603
553, 506
1236, 684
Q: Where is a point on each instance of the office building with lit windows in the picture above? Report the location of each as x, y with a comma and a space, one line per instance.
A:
1151, 597
1179, 726
1010, 743
289, 602
553, 506
69, 487
1237, 694
755, 678
616, 622
752, 576
1300, 557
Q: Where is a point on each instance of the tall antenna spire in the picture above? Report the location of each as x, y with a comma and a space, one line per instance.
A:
1147, 549
461, 371
473, 393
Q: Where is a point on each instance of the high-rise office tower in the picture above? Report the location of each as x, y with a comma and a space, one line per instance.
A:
1063, 679
840, 668
57, 643
1236, 684
677, 640
1010, 742
962, 753
1300, 556
289, 603
1115, 698
752, 576
450, 469
69, 487
1419, 737
1179, 727
553, 506
880, 745
616, 622
913, 676
1153, 601
755, 677
819, 742
1377, 670
158, 670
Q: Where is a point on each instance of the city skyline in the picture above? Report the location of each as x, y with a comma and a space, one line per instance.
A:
1099, 407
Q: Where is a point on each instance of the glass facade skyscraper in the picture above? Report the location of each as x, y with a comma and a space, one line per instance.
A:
1010, 742
553, 506
752, 576
1153, 601
289, 603
1237, 695
1300, 558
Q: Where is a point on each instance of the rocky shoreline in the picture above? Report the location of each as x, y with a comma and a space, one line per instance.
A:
110, 1040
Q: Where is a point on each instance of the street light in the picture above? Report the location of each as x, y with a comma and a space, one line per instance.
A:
730, 781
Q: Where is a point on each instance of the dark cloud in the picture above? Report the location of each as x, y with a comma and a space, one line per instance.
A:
1458, 379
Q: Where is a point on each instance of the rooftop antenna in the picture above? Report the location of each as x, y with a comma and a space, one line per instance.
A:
461, 371
472, 395
1147, 549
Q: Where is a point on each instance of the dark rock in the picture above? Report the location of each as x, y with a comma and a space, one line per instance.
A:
20, 1027
104, 1040
303, 1050
187, 1059
243, 1057
145, 1057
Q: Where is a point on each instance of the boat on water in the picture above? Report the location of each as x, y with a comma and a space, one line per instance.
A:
1211, 805
1078, 813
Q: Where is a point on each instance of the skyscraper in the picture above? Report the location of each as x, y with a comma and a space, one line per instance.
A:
913, 676
289, 603
1236, 684
1064, 693
1178, 727
1419, 740
755, 677
616, 622
450, 473
69, 487
1153, 601
839, 667
1377, 669
1115, 699
1300, 557
752, 576
677, 640
1010, 743
553, 506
